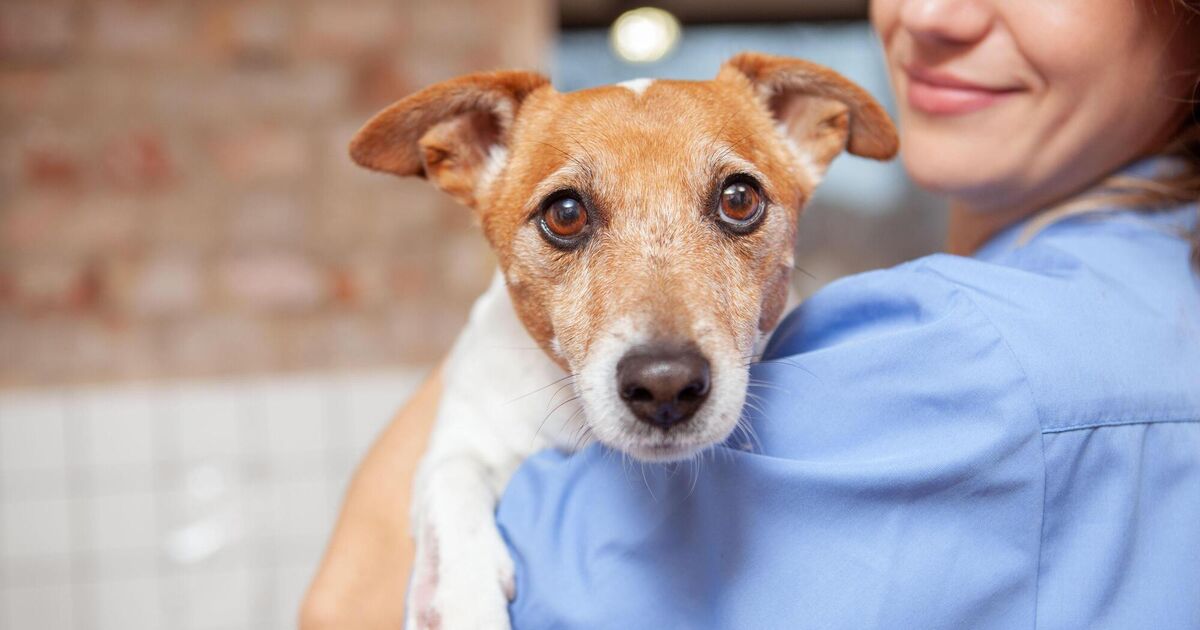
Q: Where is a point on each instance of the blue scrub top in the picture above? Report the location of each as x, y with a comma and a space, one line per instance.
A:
1005, 441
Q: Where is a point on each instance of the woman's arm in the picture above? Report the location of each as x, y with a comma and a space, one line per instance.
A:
362, 580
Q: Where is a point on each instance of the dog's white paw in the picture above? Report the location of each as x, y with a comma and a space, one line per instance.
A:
461, 584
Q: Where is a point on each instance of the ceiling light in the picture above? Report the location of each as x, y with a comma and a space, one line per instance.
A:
644, 35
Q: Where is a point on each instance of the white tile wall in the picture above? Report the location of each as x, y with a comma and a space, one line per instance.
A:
122, 603
117, 428
46, 607
198, 506
33, 434
36, 528
206, 423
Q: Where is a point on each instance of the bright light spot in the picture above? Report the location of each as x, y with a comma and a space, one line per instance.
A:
644, 35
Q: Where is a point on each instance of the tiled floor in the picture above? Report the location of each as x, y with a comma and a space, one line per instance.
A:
182, 506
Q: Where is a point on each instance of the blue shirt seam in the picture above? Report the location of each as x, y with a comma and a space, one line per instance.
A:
1037, 414
1117, 423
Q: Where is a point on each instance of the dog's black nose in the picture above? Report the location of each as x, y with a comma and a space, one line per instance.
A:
663, 385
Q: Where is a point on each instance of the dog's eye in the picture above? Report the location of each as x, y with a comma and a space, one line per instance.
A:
741, 204
564, 220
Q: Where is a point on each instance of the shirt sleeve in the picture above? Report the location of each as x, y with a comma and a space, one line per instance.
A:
894, 480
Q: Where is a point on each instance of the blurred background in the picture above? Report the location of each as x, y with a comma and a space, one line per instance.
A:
207, 312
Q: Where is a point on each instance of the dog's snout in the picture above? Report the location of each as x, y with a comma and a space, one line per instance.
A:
663, 385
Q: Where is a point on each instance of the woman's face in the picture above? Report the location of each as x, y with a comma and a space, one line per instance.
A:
1015, 103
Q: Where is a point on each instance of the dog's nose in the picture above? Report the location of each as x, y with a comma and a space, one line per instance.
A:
663, 385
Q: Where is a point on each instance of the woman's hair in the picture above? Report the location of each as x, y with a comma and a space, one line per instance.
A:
1149, 194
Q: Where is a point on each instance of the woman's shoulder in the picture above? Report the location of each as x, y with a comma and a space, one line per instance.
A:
1097, 319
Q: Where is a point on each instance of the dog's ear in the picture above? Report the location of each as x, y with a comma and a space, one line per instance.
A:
447, 132
819, 110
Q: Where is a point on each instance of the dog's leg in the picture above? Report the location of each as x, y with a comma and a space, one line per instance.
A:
463, 576
490, 419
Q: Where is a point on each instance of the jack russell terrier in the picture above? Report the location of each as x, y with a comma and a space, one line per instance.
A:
644, 233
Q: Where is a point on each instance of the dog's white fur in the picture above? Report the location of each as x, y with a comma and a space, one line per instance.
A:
637, 86
498, 388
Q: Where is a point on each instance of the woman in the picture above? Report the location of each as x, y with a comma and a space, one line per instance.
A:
1009, 439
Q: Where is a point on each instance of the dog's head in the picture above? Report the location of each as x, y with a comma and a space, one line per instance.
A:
645, 230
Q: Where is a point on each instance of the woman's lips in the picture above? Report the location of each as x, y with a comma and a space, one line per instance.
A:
942, 94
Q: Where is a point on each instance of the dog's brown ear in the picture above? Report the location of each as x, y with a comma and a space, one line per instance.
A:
447, 132
822, 112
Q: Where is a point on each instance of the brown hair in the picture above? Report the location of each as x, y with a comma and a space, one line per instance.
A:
1160, 192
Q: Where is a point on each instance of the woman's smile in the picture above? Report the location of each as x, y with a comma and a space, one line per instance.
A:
941, 93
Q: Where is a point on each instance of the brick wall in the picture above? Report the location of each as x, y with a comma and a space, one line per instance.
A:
175, 196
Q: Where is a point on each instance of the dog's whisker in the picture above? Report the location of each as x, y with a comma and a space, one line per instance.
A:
581, 433
759, 402
740, 140
674, 466
548, 415
695, 474
542, 388
551, 146
788, 363
746, 428
747, 437
724, 124
758, 398
647, 483
755, 398
560, 405
558, 391
571, 419
578, 429
584, 435
759, 383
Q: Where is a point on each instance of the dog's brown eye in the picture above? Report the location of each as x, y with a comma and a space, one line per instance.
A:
741, 203
565, 218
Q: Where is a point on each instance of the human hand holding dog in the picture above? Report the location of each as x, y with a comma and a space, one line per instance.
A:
364, 574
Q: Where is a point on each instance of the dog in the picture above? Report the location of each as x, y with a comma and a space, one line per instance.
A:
644, 233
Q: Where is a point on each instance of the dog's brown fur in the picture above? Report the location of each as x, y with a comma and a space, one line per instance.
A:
648, 164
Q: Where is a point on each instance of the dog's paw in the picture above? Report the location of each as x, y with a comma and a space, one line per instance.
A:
461, 584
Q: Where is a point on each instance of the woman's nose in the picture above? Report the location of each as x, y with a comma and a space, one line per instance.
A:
947, 21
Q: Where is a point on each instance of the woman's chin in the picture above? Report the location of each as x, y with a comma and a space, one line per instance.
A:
953, 171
